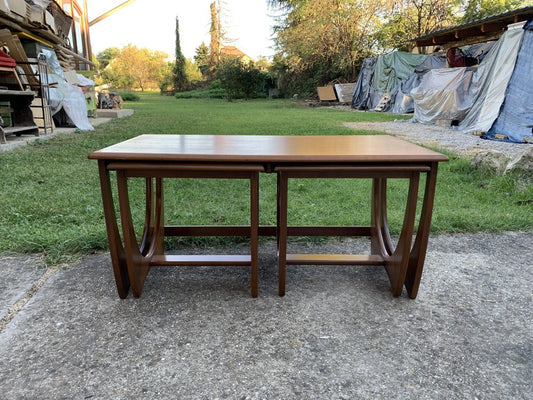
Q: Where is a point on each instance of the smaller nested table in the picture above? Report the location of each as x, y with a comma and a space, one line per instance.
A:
154, 157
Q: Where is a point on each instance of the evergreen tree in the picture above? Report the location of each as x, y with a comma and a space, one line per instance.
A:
180, 77
215, 32
201, 58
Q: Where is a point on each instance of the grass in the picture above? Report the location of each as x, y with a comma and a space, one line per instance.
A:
50, 198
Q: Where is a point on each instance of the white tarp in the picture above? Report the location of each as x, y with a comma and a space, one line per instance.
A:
490, 81
442, 94
66, 96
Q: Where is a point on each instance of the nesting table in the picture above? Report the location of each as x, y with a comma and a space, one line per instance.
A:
157, 157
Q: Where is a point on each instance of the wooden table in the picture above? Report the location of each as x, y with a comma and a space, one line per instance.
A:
154, 157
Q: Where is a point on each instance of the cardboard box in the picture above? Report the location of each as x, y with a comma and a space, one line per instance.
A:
326, 93
49, 21
17, 7
35, 14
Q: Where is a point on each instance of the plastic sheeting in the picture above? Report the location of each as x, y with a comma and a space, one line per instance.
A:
393, 68
516, 117
66, 96
490, 82
442, 94
72, 100
362, 87
392, 77
401, 96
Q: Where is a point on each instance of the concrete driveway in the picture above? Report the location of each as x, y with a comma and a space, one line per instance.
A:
337, 334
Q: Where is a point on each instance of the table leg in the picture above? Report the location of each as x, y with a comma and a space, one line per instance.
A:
397, 260
138, 266
418, 252
254, 231
381, 242
118, 256
154, 231
282, 229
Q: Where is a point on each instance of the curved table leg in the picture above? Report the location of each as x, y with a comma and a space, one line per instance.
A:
397, 260
152, 240
137, 263
418, 252
381, 240
118, 256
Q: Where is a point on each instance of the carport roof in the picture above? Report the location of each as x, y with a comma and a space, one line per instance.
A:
490, 28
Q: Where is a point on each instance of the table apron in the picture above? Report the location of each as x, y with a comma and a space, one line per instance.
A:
266, 230
352, 171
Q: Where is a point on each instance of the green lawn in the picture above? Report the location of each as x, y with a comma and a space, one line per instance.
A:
50, 197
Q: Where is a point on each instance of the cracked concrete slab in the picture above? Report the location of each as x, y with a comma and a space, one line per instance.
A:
196, 333
19, 274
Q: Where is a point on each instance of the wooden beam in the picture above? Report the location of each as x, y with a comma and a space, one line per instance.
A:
110, 12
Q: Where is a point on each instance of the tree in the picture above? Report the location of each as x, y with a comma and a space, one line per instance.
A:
105, 56
238, 79
181, 82
321, 40
408, 19
478, 9
201, 58
135, 68
215, 32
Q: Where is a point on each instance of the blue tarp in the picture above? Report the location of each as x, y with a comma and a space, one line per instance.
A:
516, 116
362, 88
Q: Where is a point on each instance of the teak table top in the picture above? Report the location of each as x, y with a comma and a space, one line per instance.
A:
267, 148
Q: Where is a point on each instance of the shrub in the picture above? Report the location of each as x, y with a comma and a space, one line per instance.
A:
202, 94
240, 80
129, 96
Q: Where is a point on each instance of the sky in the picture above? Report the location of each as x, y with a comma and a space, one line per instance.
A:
151, 24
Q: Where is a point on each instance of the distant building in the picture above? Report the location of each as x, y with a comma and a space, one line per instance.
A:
233, 52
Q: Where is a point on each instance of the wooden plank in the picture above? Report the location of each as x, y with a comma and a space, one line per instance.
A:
17, 52
334, 259
201, 260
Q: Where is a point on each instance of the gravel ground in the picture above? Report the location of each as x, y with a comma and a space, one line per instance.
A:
440, 137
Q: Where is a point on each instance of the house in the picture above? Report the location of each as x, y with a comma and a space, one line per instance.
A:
234, 52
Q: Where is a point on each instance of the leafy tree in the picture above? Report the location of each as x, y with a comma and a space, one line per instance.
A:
166, 76
135, 68
478, 9
321, 40
238, 79
193, 73
408, 19
105, 56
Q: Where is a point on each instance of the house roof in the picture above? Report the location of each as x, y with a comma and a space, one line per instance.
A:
490, 28
232, 51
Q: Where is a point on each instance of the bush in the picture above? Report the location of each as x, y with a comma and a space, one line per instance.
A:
240, 80
129, 96
202, 94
